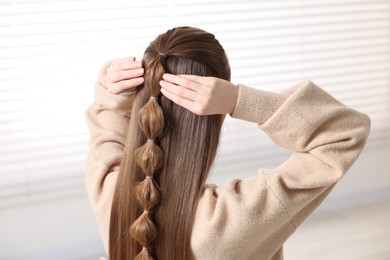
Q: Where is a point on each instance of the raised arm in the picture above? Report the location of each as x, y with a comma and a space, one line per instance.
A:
251, 218
108, 119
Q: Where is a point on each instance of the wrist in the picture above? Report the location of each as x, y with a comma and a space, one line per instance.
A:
234, 97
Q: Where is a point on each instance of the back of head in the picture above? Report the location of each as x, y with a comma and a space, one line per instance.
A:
168, 153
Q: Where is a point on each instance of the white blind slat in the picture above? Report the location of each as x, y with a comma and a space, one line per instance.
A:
51, 51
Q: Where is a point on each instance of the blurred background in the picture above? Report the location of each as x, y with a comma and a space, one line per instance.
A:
50, 55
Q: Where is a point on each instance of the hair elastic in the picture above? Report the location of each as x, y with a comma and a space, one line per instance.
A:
163, 61
153, 97
149, 177
145, 211
151, 140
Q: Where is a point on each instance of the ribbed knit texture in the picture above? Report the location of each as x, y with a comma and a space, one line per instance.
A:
255, 105
250, 218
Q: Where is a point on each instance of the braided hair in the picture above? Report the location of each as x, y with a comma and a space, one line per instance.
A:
150, 158
168, 153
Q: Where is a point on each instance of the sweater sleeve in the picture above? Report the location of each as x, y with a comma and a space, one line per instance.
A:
108, 119
253, 217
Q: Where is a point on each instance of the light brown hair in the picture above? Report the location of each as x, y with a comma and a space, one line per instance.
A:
168, 153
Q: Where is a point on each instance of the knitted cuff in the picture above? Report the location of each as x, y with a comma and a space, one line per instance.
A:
255, 105
121, 102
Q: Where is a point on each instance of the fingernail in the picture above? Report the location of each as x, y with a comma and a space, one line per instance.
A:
140, 70
166, 76
138, 63
140, 80
161, 82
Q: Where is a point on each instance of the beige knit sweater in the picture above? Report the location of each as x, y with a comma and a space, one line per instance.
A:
250, 218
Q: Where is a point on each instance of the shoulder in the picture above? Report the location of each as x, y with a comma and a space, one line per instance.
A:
241, 215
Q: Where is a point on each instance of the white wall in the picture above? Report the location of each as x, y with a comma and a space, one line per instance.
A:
47, 47
66, 229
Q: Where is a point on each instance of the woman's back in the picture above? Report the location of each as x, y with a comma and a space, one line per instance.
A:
178, 216
173, 151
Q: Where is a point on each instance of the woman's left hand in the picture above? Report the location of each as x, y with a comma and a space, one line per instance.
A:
200, 95
121, 75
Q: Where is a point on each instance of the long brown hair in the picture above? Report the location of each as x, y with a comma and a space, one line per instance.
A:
168, 153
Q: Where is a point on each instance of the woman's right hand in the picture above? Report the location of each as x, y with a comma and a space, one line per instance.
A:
121, 75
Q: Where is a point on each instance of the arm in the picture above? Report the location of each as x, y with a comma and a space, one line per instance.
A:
254, 216
326, 137
108, 119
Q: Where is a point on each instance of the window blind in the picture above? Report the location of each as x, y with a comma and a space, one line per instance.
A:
51, 51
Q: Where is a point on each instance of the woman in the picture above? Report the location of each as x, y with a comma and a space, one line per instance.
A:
154, 136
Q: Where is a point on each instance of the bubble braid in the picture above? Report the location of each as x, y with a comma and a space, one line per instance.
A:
150, 158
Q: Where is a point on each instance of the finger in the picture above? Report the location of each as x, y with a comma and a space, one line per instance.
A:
115, 63
195, 78
128, 65
181, 81
125, 74
188, 104
119, 65
178, 90
131, 58
121, 86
